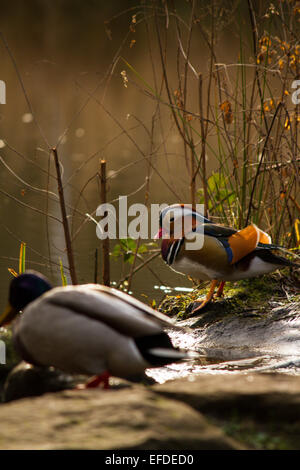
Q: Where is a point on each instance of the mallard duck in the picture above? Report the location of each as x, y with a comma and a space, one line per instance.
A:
226, 254
87, 329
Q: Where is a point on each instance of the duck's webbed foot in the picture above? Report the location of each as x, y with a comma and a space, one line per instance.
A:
208, 297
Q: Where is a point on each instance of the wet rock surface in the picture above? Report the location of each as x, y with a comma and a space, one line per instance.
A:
277, 332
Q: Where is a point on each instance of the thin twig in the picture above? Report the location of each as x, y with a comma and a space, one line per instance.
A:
260, 163
105, 242
64, 218
140, 266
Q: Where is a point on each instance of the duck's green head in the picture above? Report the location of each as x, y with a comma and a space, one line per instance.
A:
23, 289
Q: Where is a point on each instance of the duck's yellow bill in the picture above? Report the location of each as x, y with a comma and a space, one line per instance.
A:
7, 316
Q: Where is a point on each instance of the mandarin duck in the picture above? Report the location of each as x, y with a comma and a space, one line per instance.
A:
225, 254
87, 329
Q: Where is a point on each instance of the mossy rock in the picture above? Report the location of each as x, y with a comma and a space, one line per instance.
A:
250, 297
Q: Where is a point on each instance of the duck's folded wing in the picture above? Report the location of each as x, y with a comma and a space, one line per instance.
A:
149, 312
127, 316
217, 231
238, 244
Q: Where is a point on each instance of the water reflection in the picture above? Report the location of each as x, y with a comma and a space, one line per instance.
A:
221, 361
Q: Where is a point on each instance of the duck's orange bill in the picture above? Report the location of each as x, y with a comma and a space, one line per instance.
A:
243, 242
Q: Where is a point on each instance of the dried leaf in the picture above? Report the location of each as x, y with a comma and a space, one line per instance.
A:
227, 111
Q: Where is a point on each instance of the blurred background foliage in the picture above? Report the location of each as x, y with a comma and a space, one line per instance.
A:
187, 101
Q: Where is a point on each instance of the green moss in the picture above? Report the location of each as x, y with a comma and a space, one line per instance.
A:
249, 296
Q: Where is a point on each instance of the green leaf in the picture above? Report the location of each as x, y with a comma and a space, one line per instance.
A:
127, 248
116, 252
128, 244
219, 186
142, 249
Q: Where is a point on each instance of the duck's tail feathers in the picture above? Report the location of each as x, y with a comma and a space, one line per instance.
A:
295, 265
158, 350
281, 248
175, 354
271, 246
